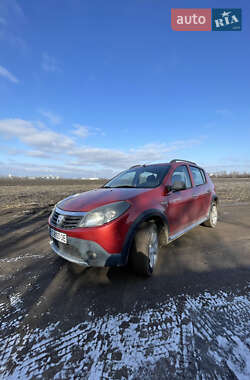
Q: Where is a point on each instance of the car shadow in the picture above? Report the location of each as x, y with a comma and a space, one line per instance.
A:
43, 297
52, 288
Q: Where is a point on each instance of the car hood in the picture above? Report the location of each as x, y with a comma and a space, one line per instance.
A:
92, 199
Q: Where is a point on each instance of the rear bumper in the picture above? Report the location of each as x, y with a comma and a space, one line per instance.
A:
85, 252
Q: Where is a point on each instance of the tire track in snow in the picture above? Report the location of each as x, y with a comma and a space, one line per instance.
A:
188, 337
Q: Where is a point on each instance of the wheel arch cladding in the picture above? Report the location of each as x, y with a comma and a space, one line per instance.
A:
149, 215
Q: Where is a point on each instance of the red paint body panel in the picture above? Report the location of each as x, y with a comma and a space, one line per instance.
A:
178, 209
111, 236
92, 199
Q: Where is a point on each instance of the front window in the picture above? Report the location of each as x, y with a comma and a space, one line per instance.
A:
181, 174
140, 177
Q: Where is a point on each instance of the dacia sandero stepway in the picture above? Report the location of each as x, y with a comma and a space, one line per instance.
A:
132, 215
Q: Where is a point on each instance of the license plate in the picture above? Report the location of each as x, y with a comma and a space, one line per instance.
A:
60, 236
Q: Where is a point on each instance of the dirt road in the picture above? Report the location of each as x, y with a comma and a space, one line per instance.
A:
191, 320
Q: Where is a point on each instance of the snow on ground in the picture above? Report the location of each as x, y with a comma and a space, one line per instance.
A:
186, 337
14, 259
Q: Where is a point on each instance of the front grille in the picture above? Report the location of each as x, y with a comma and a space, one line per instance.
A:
68, 221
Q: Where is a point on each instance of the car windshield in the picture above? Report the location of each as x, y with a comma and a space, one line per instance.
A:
139, 177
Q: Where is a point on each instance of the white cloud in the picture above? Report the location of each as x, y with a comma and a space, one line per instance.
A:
115, 158
6, 74
38, 154
15, 127
81, 130
65, 170
85, 131
50, 64
77, 160
99, 131
35, 135
52, 117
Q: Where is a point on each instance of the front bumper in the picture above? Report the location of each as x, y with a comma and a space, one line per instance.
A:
85, 252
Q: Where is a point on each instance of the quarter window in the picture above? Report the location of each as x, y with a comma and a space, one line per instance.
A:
181, 174
198, 176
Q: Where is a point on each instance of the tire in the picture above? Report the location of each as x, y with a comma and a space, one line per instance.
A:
213, 216
145, 249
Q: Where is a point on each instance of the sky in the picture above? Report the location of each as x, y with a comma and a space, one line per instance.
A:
90, 87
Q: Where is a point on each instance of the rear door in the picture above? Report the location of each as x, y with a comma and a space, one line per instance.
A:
179, 210
201, 192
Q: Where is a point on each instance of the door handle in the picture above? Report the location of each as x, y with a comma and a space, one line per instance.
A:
195, 195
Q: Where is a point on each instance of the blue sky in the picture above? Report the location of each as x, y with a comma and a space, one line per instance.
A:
90, 87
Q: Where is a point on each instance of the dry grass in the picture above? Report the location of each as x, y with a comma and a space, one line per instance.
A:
40, 193
233, 189
27, 195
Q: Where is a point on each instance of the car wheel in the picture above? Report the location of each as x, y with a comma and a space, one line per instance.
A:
213, 216
145, 249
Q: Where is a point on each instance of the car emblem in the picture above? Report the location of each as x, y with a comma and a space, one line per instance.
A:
60, 220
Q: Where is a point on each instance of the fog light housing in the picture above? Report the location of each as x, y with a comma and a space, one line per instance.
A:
91, 255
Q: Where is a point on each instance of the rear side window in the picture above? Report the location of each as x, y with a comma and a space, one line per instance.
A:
198, 176
181, 174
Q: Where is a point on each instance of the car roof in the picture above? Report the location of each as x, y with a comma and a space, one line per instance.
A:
172, 163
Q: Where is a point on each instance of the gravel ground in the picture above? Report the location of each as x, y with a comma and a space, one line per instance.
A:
191, 320
28, 195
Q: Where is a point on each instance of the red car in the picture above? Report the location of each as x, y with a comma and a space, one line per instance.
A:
132, 215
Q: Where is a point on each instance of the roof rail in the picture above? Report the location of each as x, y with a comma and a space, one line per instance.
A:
134, 166
177, 160
137, 166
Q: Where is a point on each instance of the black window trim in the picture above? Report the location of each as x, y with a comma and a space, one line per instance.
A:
204, 175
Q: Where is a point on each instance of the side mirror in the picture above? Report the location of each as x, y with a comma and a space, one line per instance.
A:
178, 185
168, 188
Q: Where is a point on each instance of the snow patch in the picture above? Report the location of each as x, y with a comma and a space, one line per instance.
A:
186, 336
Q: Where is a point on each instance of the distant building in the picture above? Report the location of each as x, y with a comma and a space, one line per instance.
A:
90, 179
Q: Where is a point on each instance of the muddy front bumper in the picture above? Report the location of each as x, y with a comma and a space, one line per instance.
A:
85, 252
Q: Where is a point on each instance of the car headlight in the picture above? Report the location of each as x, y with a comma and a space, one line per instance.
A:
104, 214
